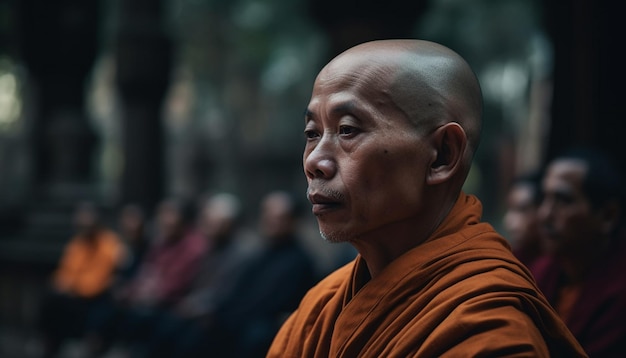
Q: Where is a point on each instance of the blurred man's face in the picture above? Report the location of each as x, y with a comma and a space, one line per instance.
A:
217, 220
364, 161
520, 220
567, 218
131, 221
276, 219
85, 218
169, 220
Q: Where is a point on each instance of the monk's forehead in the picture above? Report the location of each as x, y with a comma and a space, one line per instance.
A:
391, 65
370, 67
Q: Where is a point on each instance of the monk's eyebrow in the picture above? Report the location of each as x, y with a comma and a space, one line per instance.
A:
308, 115
343, 108
338, 110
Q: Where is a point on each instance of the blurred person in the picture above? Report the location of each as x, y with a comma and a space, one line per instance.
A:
391, 130
184, 326
272, 284
582, 274
171, 262
163, 277
132, 228
220, 223
244, 320
520, 218
83, 278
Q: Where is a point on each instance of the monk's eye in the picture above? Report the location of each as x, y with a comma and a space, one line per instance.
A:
348, 131
311, 134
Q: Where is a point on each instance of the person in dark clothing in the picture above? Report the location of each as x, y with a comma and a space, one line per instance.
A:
133, 231
272, 284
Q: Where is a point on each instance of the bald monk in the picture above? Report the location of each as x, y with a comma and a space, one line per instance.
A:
391, 130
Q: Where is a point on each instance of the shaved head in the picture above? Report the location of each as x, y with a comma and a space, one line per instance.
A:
391, 129
431, 84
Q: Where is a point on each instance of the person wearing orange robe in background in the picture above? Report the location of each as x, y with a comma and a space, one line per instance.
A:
391, 130
87, 268
85, 272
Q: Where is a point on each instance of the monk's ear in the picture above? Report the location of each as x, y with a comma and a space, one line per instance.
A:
449, 142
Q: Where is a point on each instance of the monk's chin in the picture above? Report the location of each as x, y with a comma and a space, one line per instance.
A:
334, 236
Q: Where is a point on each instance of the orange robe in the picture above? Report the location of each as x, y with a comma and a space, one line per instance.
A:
462, 293
88, 269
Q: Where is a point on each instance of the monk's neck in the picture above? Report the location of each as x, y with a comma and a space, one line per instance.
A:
380, 252
381, 247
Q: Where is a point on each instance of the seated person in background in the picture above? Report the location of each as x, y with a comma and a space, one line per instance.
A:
171, 263
391, 130
133, 232
164, 276
583, 273
247, 314
272, 284
520, 219
183, 327
82, 279
219, 222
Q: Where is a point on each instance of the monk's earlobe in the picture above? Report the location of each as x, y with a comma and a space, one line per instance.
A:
450, 142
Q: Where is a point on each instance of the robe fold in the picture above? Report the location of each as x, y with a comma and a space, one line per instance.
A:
460, 293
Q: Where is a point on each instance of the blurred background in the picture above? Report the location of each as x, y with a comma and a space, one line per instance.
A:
136, 100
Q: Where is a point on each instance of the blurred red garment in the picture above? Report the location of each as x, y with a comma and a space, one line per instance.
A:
168, 270
596, 311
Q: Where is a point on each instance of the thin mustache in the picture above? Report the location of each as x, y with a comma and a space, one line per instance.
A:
328, 193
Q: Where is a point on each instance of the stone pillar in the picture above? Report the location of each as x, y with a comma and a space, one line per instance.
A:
143, 55
588, 75
58, 44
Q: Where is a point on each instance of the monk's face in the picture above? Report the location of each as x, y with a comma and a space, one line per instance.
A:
568, 219
363, 159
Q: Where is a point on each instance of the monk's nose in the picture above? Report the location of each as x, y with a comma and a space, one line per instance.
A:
319, 163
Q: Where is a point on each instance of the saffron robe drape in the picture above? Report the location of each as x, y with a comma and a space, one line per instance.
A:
461, 293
